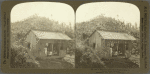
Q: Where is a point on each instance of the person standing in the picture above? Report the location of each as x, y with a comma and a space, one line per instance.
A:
45, 50
110, 51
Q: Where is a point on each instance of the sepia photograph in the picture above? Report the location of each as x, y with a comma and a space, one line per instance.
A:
74, 36
107, 35
42, 36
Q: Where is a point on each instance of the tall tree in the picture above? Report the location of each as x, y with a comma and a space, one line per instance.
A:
136, 26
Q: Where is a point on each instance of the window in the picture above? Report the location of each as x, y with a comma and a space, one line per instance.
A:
108, 44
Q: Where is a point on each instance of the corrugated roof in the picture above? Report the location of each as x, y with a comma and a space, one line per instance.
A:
116, 35
50, 35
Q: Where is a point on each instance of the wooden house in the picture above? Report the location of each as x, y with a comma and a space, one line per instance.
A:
46, 43
111, 44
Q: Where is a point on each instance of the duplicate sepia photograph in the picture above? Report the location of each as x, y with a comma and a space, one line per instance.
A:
42, 36
75, 37
107, 35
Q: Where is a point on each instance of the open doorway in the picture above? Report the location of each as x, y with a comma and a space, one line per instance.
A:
118, 49
53, 49
56, 49
121, 49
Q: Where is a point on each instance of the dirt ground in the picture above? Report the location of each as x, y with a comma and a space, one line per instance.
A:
135, 59
111, 63
68, 62
120, 63
59, 63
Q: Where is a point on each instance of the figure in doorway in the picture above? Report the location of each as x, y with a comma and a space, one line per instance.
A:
114, 50
50, 53
115, 53
111, 49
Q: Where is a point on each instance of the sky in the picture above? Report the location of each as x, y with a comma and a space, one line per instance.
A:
60, 12
126, 12
64, 13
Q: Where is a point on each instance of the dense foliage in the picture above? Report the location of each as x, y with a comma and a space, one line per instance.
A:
21, 28
21, 58
85, 29
105, 23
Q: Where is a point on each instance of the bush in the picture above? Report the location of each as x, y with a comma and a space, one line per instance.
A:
85, 57
19, 59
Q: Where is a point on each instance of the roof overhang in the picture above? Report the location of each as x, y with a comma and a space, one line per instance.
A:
115, 36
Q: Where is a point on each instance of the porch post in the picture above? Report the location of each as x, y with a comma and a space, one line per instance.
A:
117, 45
125, 49
59, 47
52, 48
129, 47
